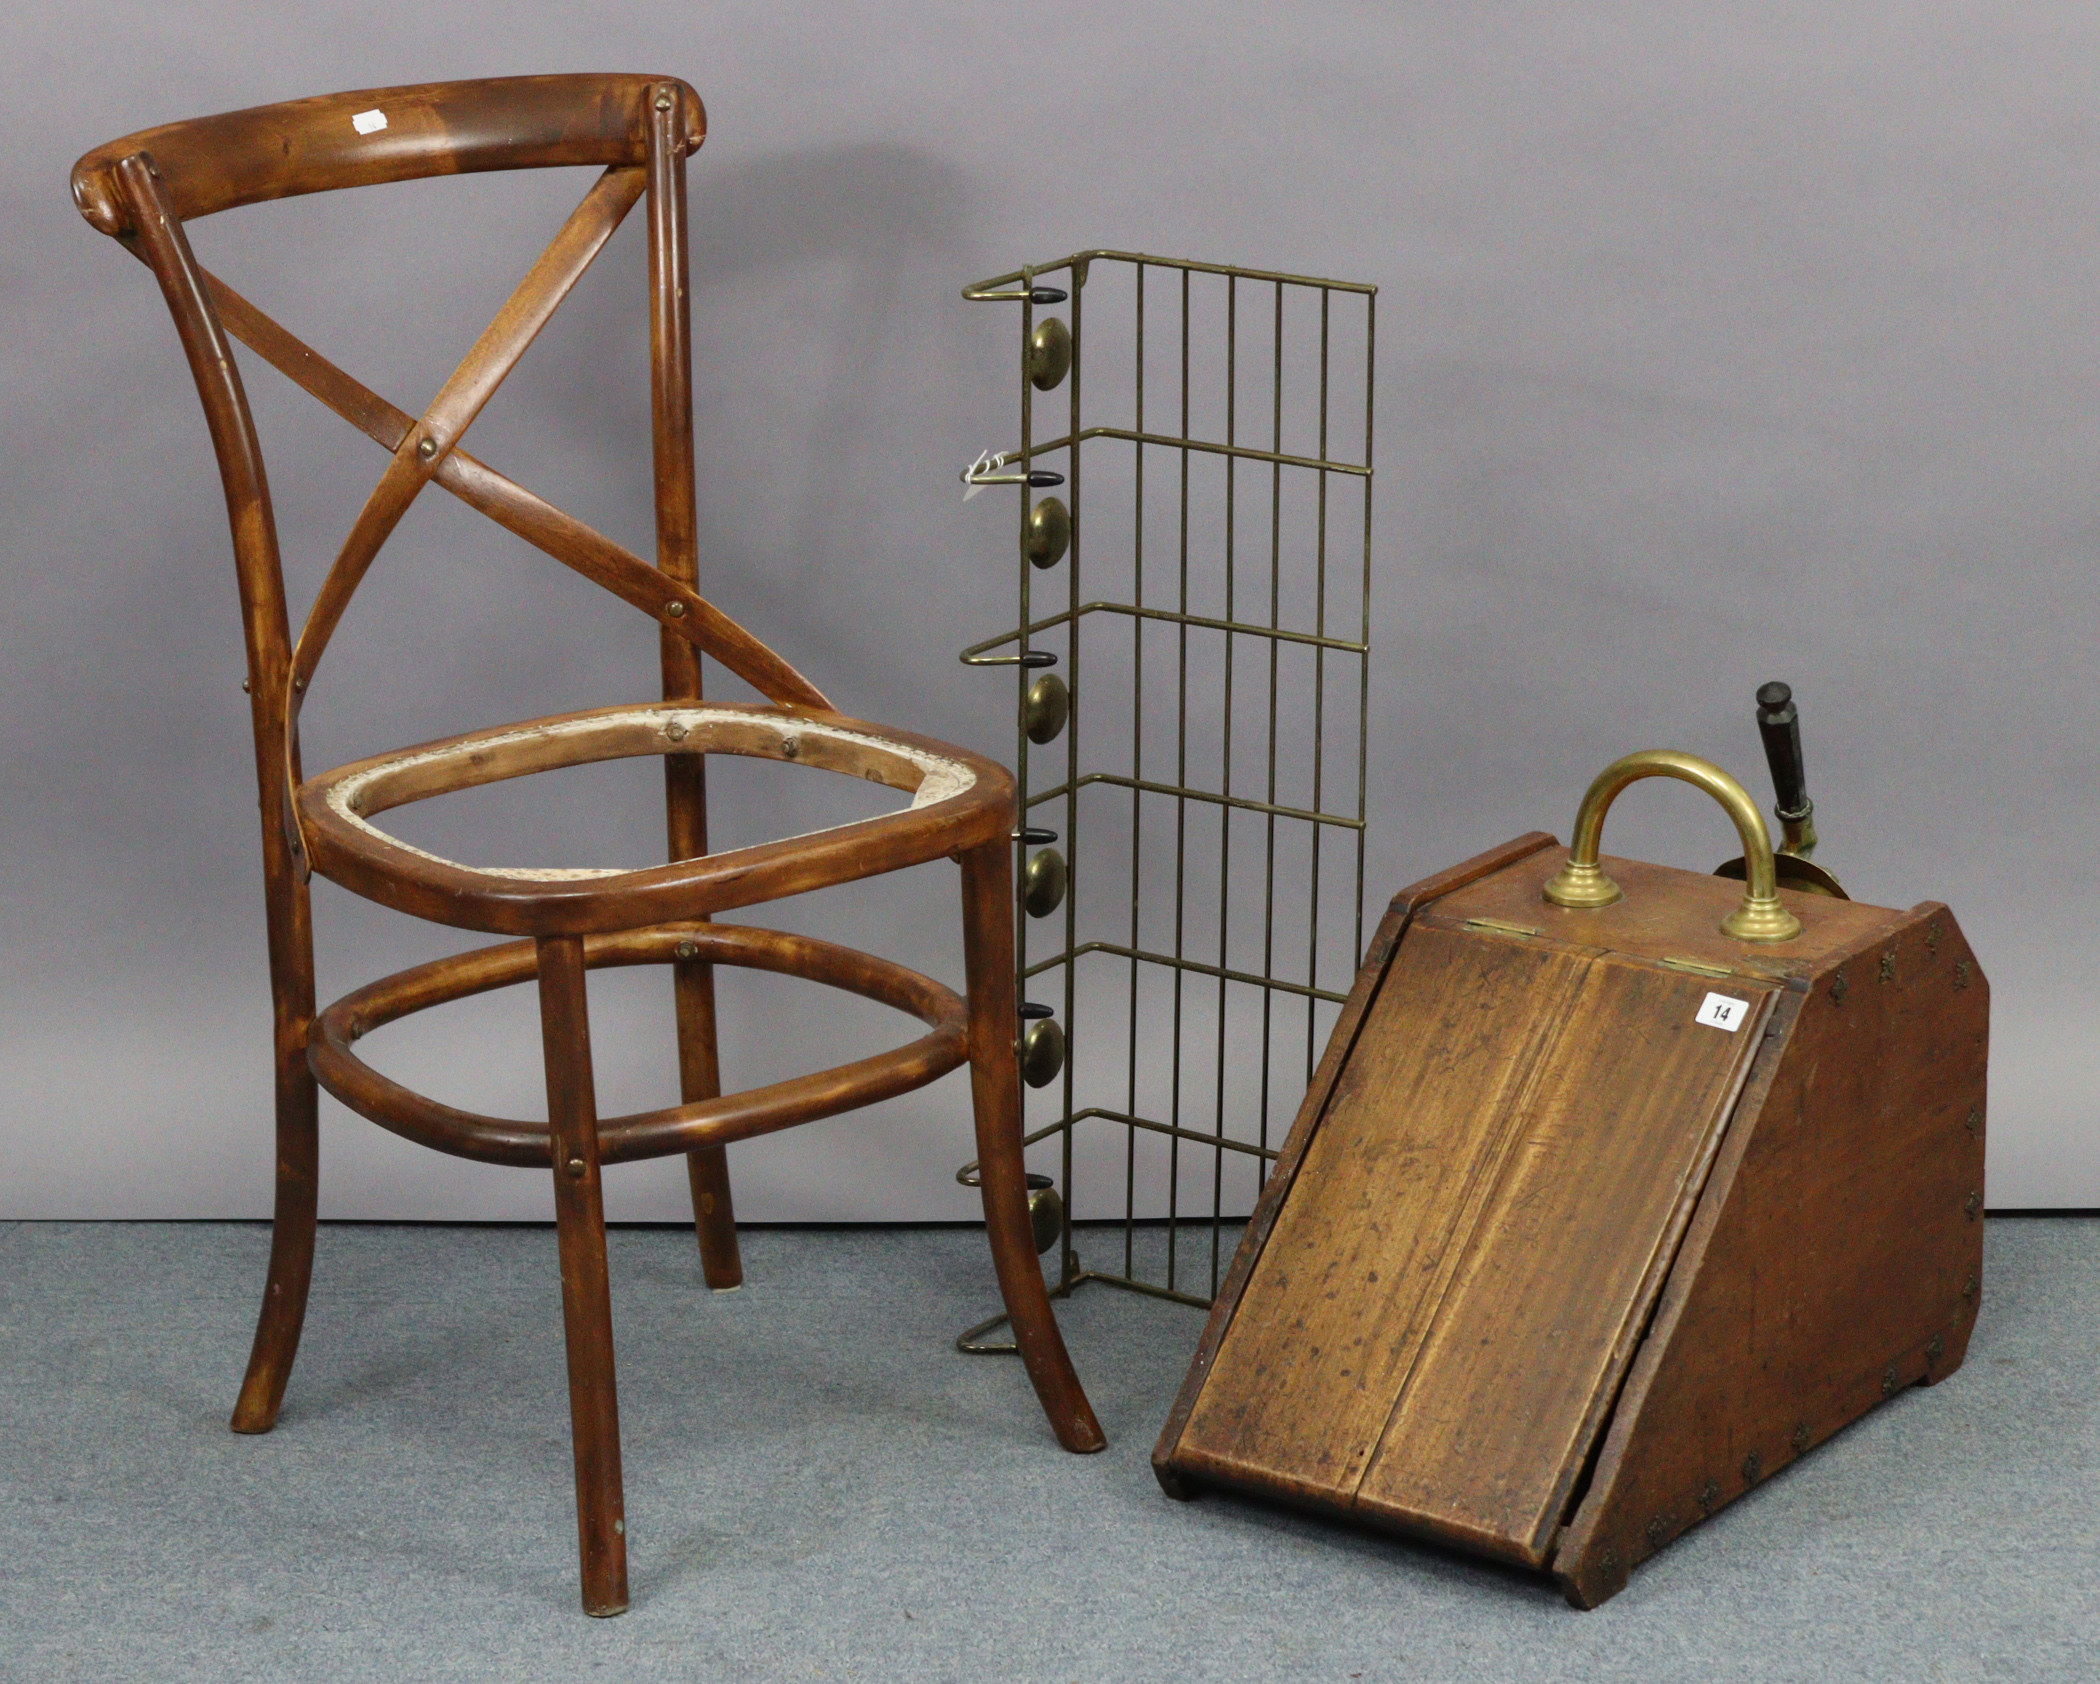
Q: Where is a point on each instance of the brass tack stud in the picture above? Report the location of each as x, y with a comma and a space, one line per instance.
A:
1709, 1494
1888, 1381
1753, 1468
244, 687
1961, 973
1042, 1053
620, 1527
1048, 706
427, 449
1974, 1121
1937, 1349
576, 1168
1043, 883
687, 950
298, 686
1049, 532
1800, 1438
663, 102
1968, 1287
1839, 988
1971, 1205
1888, 966
1049, 354
675, 609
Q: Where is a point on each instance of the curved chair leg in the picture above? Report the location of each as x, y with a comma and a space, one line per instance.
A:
298, 1144
291, 1241
995, 1087
707, 1167
586, 1296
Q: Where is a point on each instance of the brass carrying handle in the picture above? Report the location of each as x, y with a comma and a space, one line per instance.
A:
1581, 884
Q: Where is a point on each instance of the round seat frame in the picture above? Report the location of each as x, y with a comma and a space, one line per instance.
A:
652, 1134
959, 800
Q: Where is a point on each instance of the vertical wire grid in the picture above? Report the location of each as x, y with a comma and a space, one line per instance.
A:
1363, 686
1200, 540
1137, 773
1181, 804
1312, 923
1073, 853
1232, 419
1018, 848
1268, 924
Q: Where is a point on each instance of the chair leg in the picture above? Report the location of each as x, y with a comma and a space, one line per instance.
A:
290, 926
291, 1240
707, 1167
714, 1217
586, 1297
995, 1087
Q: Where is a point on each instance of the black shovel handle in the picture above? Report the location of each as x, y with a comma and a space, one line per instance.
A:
1779, 723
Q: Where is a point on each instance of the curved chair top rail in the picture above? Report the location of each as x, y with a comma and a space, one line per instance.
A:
335, 140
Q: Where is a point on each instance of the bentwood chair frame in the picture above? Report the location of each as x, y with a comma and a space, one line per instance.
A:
639, 130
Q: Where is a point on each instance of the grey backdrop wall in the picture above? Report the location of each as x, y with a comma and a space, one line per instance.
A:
1717, 343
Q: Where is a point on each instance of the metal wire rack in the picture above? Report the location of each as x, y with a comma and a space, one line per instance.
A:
1203, 751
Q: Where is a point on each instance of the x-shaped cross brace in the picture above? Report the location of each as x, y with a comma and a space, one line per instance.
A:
425, 449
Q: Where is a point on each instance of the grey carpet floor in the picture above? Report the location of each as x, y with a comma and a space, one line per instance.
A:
819, 1488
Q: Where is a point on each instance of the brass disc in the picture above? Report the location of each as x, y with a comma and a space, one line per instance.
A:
1048, 706
1049, 532
1042, 1053
1049, 353
1046, 1213
1043, 883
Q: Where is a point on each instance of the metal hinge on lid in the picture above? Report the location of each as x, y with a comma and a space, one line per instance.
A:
1696, 967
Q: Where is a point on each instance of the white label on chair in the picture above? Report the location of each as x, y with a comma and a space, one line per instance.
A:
368, 122
1723, 1012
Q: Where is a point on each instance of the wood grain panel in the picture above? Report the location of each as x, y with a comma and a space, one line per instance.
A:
1836, 1257
1363, 993
1611, 1142
1335, 1310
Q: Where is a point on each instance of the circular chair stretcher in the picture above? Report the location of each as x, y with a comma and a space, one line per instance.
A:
652, 1134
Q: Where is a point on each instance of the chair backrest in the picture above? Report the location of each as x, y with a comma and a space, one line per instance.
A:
142, 188
387, 134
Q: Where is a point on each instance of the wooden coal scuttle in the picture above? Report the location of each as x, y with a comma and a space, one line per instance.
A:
1619, 1188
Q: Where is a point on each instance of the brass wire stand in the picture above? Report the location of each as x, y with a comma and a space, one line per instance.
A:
1200, 793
